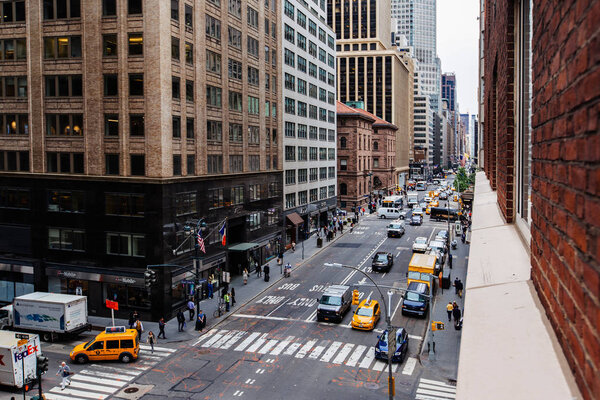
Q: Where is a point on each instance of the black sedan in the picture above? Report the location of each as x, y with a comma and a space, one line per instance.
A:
416, 220
382, 261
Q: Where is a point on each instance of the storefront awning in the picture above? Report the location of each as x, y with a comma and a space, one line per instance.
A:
243, 247
295, 218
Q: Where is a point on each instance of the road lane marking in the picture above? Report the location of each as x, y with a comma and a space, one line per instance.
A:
233, 340
292, 349
438, 383
379, 365
356, 355
369, 357
204, 337
259, 342
250, 381
92, 387
147, 347
94, 379
54, 396
238, 393
267, 347
331, 351
247, 342
214, 339
415, 337
118, 370
260, 371
265, 317
106, 375
318, 350
437, 387
79, 393
304, 350
282, 345
224, 339
436, 394
339, 359
409, 367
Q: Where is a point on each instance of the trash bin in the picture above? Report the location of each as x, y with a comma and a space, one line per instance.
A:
319, 242
446, 279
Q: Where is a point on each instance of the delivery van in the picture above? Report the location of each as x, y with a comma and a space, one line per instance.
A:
18, 356
393, 212
115, 343
422, 268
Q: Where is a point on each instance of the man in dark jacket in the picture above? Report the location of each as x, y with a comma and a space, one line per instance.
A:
267, 269
456, 313
181, 320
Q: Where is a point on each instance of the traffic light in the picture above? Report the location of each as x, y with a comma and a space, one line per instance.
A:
42, 364
150, 278
355, 297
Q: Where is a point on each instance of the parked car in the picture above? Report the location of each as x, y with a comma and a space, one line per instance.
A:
381, 348
395, 229
442, 234
420, 244
382, 261
416, 220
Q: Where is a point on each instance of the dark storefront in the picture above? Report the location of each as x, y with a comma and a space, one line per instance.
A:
301, 222
96, 237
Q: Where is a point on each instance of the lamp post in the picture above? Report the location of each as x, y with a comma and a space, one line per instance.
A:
388, 319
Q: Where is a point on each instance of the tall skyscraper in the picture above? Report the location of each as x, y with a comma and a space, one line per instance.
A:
372, 74
309, 114
417, 20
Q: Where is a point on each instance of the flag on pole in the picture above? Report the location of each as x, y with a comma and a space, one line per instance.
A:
201, 242
223, 235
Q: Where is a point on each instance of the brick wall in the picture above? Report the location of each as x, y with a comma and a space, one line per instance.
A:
565, 244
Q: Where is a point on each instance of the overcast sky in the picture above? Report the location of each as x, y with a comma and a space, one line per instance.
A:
458, 47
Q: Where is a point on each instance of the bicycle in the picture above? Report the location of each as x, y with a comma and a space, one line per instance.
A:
220, 310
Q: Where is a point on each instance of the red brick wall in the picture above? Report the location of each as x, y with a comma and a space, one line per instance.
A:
565, 244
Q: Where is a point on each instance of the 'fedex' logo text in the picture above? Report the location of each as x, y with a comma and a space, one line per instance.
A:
29, 350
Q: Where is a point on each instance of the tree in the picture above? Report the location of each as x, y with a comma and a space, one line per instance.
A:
462, 180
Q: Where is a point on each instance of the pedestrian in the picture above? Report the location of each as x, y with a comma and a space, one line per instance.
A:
245, 276
455, 284
293, 246
161, 328
463, 236
64, 371
200, 321
449, 308
191, 308
456, 314
459, 290
450, 260
258, 270
139, 327
181, 320
232, 296
209, 287
267, 270
226, 300
151, 340
131, 320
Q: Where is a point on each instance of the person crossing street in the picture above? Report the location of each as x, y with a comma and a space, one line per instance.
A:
64, 371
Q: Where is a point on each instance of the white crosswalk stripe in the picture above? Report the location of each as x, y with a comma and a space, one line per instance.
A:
343, 353
282, 345
356, 355
331, 351
233, 340
318, 349
242, 346
98, 381
292, 348
259, 342
434, 390
267, 347
305, 349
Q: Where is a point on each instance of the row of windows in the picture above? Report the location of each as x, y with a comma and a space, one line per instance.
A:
122, 244
13, 86
314, 112
288, 10
289, 58
322, 173
234, 36
290, 34
309, 153
13, 49
322, 193
310, 132
313, 90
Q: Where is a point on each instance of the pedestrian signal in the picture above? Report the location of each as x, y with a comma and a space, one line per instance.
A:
355, 297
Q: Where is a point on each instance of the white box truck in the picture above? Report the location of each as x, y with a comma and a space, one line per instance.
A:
18, 353
52, 315
413, 199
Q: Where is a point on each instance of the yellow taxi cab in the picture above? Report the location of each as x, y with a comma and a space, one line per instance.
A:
455, 197
434, 203
115, 343
436, 193
366, 315
428, 209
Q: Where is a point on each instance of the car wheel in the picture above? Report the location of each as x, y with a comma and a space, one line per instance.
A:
47, 337
125, 358
81, 359
383, 216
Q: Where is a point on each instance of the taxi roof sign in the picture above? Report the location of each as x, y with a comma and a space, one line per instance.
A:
114, 329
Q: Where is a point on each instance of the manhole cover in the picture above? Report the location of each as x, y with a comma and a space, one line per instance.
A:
131, 390
371, 385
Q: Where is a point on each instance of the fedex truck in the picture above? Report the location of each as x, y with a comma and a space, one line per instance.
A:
52, 315
18, 353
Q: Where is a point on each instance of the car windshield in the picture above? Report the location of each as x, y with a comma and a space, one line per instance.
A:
85, 346
421, 240
381, 258
413, 296
395, 226
331, 300
364, 312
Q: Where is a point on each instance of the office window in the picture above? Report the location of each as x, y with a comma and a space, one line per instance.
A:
235, 101
254, 162
253, 105
235, 37
191, 164
189, 17
236, 163
213, 96
175, 10
111, 162
64, 124
322, 173
289, 33
65, 163
8, 47
313, 112
301, 86
215, 198
136, 84
176, 123
111, 85
302, 175
331, 154
235, 69
189, 128
302, 153
176, 164
323, 192
312, 48
175, 48
235, 133
111, 124
331, 135
12, 11
254, 192
63, 86
290, 153
301, 19
301, 41
66, 201
290, 176
235, 8
109, 45
312, 70
301, 64
136, 44
66, 239
253, 134
213, 62
314, 174
290, 106
252, 17
13, 124
134, 6
302, 131
213, 27
214, 165
289, 58
343, 165
312, 27
138, 165
290, 200
290, 81
322, 134
60, 9
136, 125
189, 91
125, 244
253, 76
214, 131
237, 195
331, 172
252, 46
62, 47
290, 129
109, 8
302, 109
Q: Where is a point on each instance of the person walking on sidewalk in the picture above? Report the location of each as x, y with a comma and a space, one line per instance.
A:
131, 320
209, 287
258, 270
191, 308
267, 270
200, 321
161, 328
245, 276
151, 341
449, 308
226, 300
139, 328
232, 296
456, 313
64, 371
293, 246
459, 288
181, 320
455, 284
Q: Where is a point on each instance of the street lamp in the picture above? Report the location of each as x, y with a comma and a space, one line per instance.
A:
388, 320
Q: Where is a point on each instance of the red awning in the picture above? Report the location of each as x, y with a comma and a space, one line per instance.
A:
295, 219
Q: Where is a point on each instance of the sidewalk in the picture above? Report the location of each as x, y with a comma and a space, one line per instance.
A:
244, 293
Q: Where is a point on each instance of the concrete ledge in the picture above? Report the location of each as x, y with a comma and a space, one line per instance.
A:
508, 348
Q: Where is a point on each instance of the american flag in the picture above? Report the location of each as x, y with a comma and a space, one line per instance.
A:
201, 242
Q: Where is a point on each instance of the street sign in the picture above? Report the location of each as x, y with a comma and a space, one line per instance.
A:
437, 326
21, 336
113, 305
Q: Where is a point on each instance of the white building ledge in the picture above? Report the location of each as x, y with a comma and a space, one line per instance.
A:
508, 349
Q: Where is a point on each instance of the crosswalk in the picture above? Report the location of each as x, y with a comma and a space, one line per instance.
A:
434, 390
101, 380
323, 350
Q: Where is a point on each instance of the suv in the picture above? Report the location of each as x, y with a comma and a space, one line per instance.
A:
416, 300
382, 261
395, 229
334, 303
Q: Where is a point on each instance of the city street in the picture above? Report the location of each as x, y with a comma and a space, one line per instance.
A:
274, 344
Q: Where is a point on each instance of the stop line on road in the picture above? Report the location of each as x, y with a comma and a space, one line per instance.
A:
323, 350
